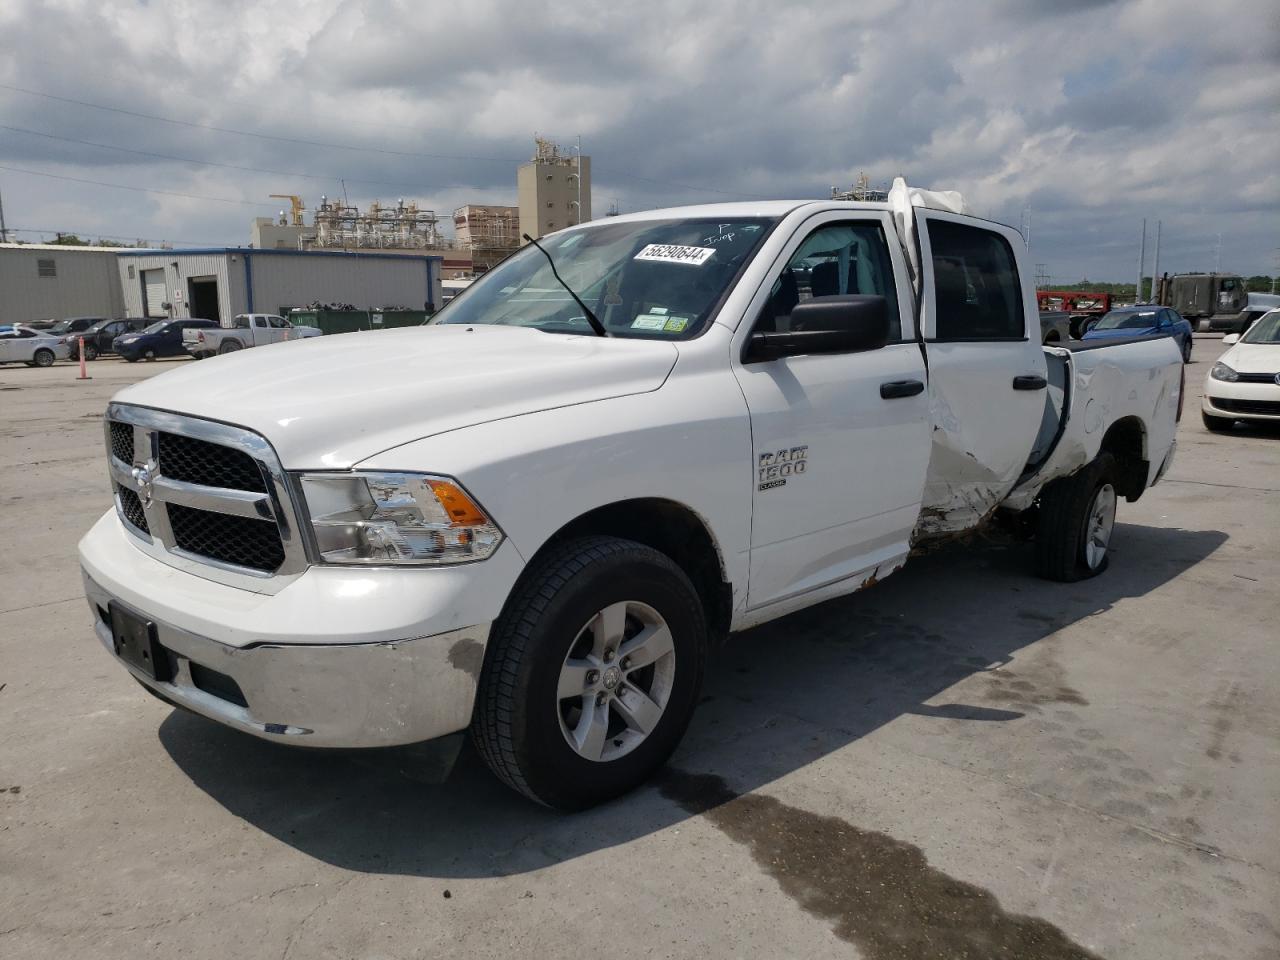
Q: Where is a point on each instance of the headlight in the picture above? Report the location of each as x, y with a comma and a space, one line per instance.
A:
1220, 371
382, 518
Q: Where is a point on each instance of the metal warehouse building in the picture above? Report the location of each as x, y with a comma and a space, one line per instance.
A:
219, 282
49, 281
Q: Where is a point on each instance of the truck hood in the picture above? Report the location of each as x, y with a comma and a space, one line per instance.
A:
330, 402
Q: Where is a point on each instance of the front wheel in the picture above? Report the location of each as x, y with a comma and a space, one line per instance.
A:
1076, 519
591, 674
90, 352
1186, 350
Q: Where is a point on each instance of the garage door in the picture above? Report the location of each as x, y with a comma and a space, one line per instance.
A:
154, 292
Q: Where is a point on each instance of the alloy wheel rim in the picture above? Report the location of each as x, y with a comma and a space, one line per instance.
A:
616, 680
1102, 519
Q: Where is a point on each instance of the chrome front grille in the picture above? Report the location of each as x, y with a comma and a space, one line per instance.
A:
201, 495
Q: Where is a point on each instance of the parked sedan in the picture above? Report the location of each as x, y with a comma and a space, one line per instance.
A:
100, 337
19, 344
1245, 382
1143, 320
162, 339
73, 325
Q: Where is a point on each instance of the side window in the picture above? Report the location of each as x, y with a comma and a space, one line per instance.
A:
278, 322
835, 259
241, 322
259, 321
977, 293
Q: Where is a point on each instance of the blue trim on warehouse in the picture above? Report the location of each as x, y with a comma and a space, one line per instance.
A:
253, 251
248, 283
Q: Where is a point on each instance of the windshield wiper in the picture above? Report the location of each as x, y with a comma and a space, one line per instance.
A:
596, 325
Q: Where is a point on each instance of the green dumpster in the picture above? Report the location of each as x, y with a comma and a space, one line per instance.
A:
348, 321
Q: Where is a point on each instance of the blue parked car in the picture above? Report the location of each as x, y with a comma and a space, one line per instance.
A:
1143, 320
162, 339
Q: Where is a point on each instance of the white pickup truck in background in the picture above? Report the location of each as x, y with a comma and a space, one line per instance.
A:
245, 330
531, 518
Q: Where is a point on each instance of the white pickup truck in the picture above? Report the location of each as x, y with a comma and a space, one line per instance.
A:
531, 518
245, 330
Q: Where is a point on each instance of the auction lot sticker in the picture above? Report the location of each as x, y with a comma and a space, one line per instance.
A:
674, 253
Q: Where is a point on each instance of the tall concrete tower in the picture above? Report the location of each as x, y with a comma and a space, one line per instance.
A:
554, 190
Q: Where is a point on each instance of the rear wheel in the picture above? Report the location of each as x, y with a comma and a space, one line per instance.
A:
43, 358
591, 674
90, 351
1075, 523
229, 346
1216, 424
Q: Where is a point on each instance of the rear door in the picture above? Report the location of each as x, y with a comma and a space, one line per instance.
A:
987, 370
153, 293
261, 330
840, 440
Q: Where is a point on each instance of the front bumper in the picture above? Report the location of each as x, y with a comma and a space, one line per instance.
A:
1241, 401
319, 695
336, 658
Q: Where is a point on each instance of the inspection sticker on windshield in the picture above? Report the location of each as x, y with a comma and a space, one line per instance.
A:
674, 253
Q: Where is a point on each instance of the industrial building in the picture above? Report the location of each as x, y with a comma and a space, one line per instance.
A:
219, 282
50, 281
553, 190
487, 231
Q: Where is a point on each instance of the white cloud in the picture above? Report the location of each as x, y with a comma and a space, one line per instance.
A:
1097, 114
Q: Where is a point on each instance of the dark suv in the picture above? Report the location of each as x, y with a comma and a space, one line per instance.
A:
98, 338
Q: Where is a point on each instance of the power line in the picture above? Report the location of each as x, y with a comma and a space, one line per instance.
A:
87, 234
249, 133
363, 149
215, 163
121, 186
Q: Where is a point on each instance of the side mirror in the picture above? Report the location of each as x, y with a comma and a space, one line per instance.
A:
842, 324
1230, 338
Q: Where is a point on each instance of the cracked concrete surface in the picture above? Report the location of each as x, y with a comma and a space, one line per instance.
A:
1098, 761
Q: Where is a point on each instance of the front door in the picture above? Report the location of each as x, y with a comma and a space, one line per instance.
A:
987, 369
840, 441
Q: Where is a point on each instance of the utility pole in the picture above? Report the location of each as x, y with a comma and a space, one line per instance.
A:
4, 234
1217, 255
1155, 267
1142, 260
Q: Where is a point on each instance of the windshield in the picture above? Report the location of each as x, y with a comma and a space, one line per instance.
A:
1127, 320
155, 327
1265, 330
653, 279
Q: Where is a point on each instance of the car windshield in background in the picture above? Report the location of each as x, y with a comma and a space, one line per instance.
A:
1265, 330
1127, 320
652, 279
155, 327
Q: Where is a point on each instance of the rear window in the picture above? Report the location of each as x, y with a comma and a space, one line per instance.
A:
977, 293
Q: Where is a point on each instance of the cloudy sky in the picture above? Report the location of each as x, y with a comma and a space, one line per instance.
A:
1084, 117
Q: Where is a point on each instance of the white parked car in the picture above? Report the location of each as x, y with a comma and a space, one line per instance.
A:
21, 344
533, 517
245, 330
1245, 382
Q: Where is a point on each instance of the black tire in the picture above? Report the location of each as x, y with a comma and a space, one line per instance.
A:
1216, 424
230, 346
130, 359
43, 357
1063, 519
149, 355
1186, 350
517, 727
90, 352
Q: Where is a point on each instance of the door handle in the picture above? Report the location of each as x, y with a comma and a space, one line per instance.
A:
1031, 381
901, 388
